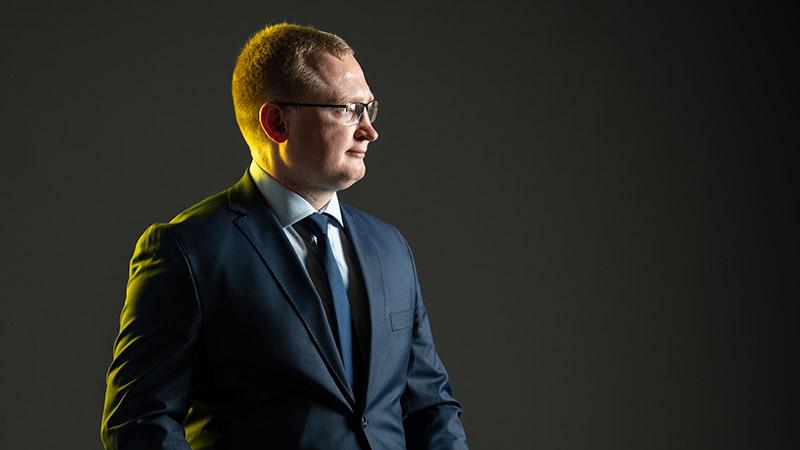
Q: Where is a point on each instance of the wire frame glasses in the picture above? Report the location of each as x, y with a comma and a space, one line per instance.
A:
349, 113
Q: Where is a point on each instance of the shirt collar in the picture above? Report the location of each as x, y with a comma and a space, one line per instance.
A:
288, 205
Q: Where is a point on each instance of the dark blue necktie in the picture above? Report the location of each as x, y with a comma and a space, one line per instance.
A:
317, 225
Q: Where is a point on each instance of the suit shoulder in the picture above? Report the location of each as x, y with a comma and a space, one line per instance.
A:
205, 209
376, 225
365, 218
203, 219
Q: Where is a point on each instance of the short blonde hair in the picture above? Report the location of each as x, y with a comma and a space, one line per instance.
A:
273, 66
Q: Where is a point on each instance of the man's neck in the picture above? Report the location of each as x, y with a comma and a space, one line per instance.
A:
317, 199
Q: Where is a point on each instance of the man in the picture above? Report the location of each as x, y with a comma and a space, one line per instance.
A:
270, 315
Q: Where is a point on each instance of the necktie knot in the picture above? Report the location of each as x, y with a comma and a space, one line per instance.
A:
314, 229
317, 224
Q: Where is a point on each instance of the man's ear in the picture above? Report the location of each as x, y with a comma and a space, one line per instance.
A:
273, 122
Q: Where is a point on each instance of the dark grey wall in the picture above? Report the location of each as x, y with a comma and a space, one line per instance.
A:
599, 199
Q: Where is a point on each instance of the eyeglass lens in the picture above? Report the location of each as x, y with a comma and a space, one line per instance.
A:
372, 110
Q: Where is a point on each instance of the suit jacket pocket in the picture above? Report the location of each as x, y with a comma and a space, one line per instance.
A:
401, 319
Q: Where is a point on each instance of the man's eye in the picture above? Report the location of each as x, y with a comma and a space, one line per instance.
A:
348, 112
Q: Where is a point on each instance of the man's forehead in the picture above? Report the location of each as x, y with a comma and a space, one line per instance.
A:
327, 63
344, 76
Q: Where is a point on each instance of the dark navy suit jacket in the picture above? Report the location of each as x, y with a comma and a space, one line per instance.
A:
224, 344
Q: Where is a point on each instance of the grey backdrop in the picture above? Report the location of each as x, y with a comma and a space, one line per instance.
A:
599, 198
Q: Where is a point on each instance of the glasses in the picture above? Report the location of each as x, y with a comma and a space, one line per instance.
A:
350, 113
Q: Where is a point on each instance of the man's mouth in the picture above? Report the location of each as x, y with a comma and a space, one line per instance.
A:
357, 153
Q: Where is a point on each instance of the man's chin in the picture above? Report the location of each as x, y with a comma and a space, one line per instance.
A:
351, 179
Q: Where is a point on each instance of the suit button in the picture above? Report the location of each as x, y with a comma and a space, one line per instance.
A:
364, 422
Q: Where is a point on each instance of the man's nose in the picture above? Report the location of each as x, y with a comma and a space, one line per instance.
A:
365, 130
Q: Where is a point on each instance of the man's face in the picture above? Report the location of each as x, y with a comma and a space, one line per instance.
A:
323, 154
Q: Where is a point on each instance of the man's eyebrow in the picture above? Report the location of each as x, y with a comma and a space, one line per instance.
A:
345, 101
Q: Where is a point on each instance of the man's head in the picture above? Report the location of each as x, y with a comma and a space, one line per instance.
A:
306, 147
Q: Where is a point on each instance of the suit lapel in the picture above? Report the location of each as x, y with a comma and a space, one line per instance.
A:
264, 232
372, 275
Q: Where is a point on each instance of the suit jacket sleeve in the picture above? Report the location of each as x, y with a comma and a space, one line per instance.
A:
432, 414
149, 381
